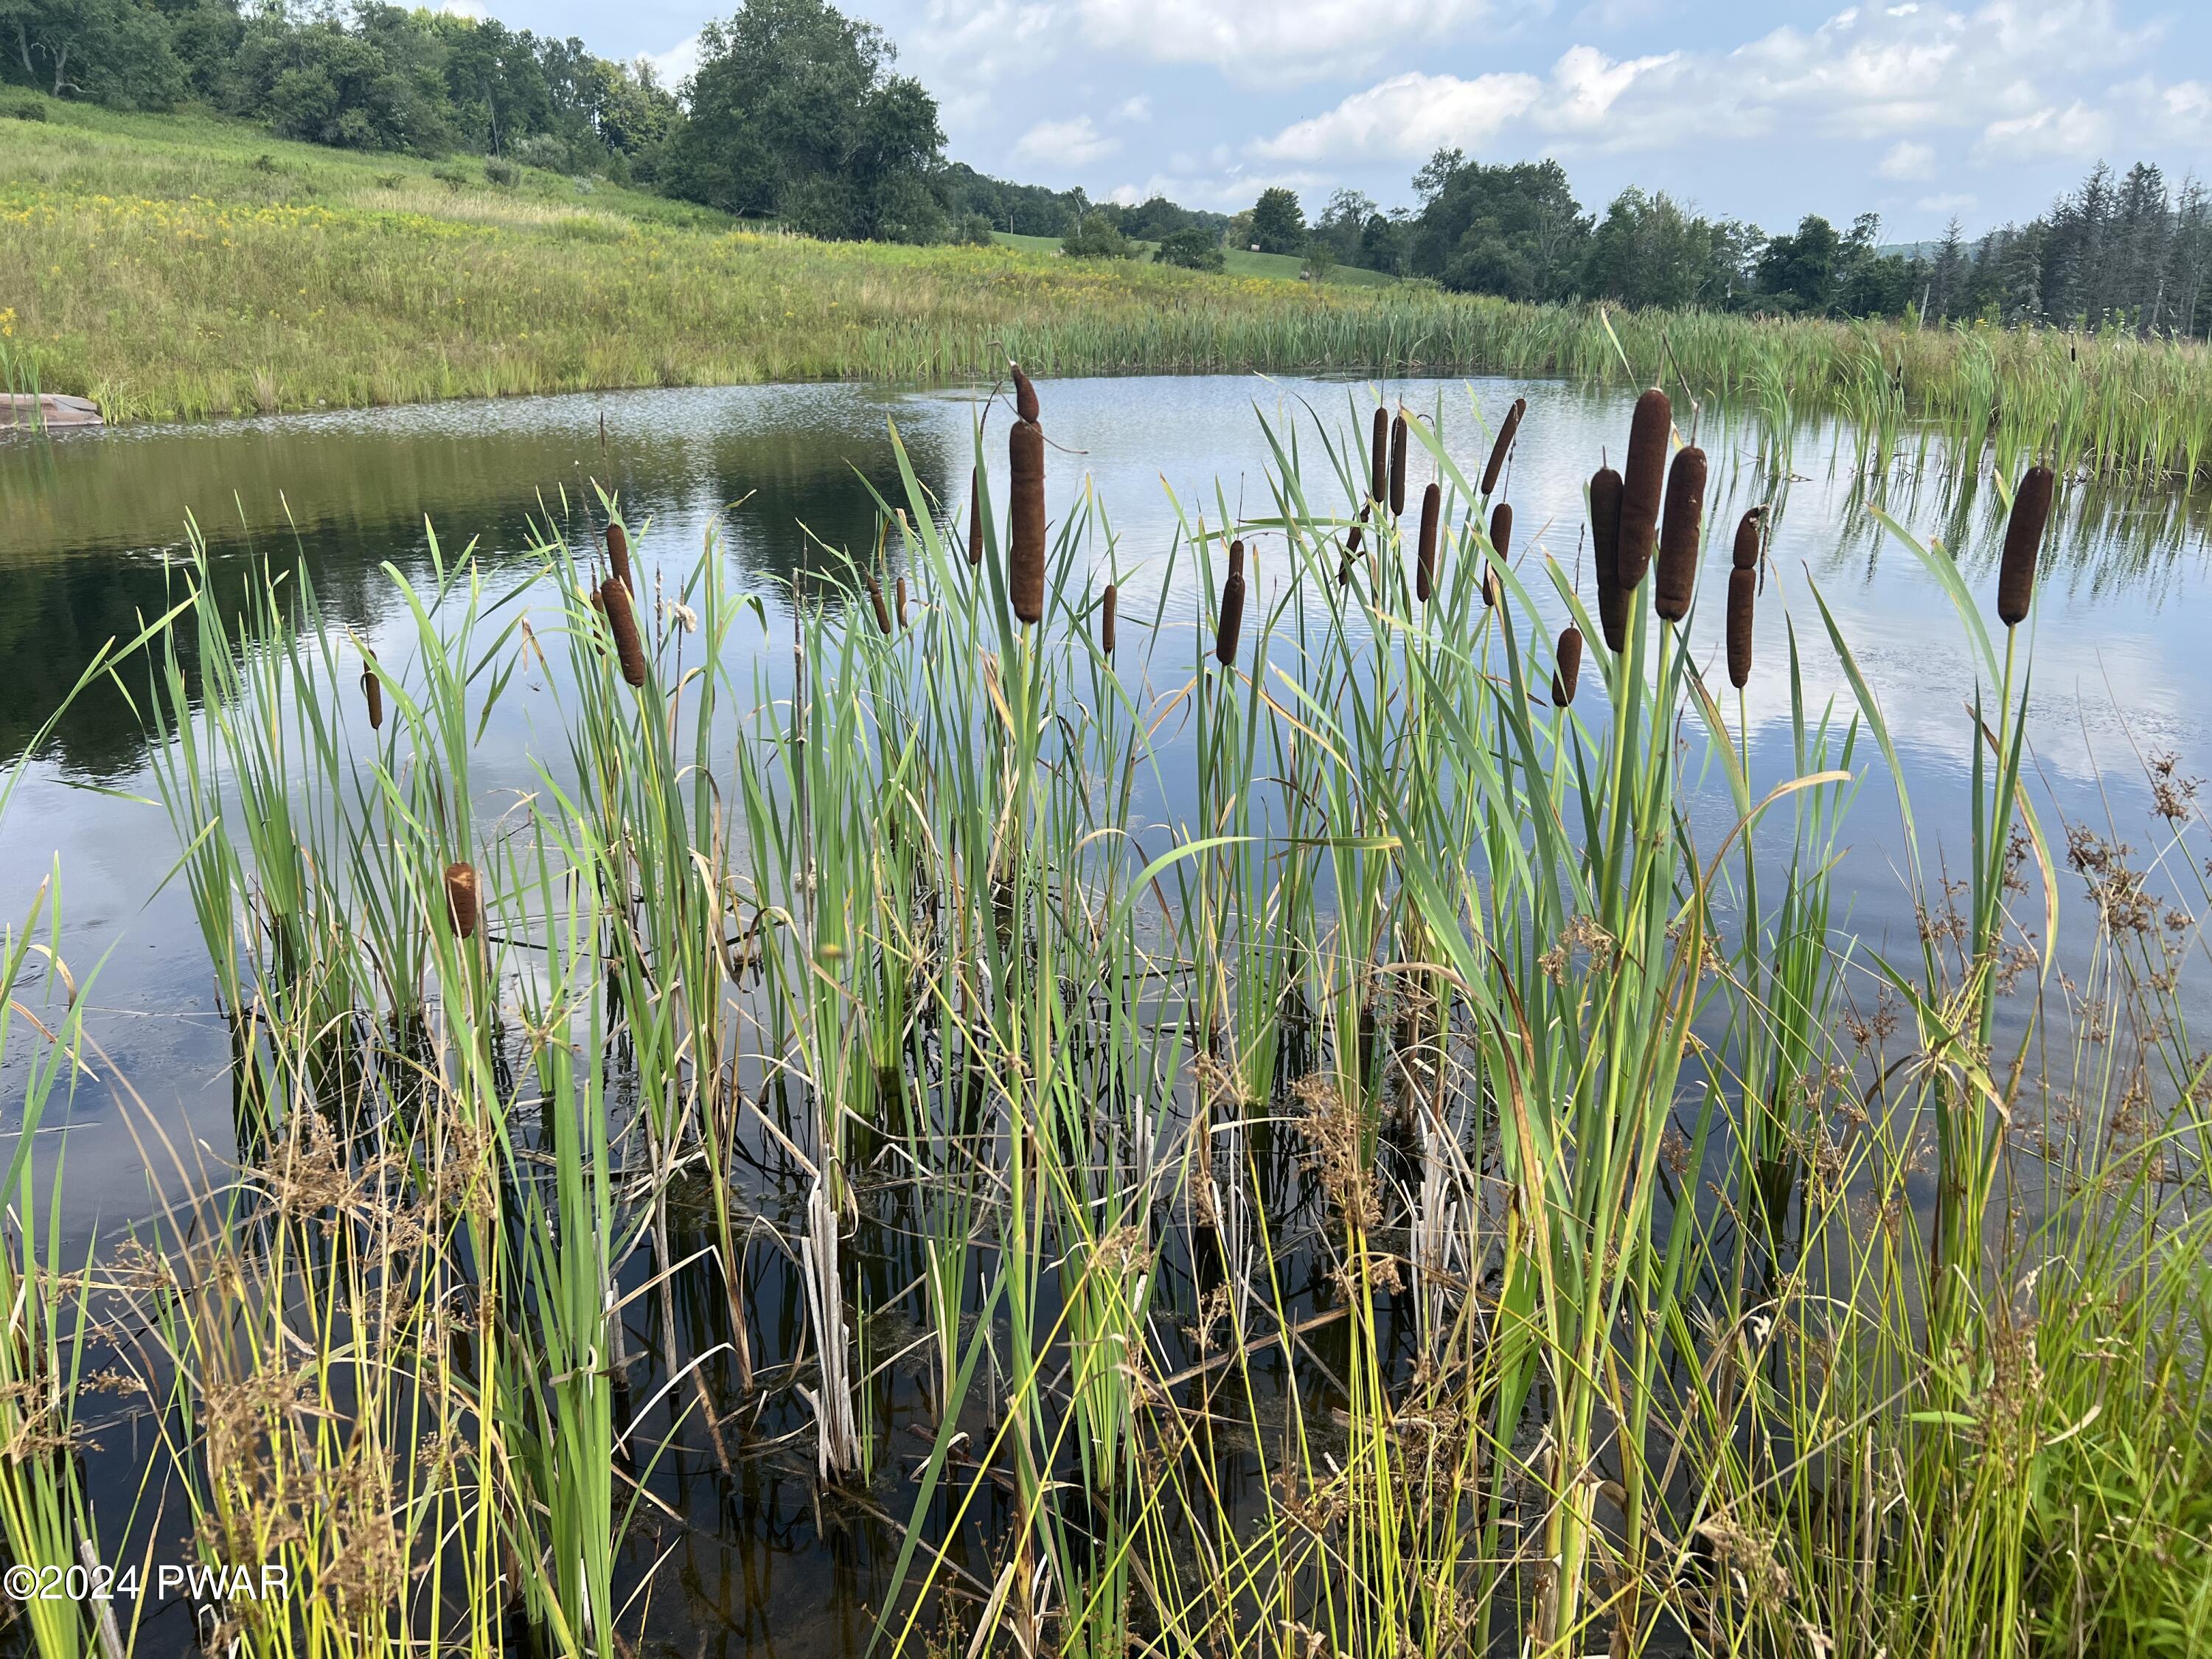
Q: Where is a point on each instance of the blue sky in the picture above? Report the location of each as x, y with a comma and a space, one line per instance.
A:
1916, 110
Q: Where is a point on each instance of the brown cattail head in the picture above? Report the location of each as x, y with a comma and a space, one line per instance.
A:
1107, 607
1425, 568
1501, 529
629, 648
1640, 487
1507, 430
1678, 538
1025, 554
1398, 466
2030, 512
876, 599
1743, 593
1026, 398
901, 602
1569, 669
1378, 453
974, 515
1493, 588
461, 898
1231, 623
1746, 555
618, 555
373, 688
1605, 554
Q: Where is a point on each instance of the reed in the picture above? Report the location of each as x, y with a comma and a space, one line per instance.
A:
1425, 574
1229, 624
1605, 488
2023, 541
1642, 486
1502, 446
1026, 549
1568, 658
1682, 536
622, 623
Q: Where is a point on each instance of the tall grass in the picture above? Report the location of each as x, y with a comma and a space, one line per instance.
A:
1286, 1135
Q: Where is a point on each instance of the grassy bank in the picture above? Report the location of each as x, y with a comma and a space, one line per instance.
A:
181, 266
1240, 262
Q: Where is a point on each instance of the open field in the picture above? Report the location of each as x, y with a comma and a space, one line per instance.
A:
162, 266
1242, 262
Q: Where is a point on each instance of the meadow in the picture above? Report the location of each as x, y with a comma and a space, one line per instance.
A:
186, 267
1270, 1134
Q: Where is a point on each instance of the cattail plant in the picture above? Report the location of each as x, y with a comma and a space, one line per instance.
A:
2030, 512
1640, 486
1424, 570
876, 599
1351, 546
1743, 591
974, 515
1025, 554
902, 603
629, 647
461, 898
1231, 623
1378, 455
372, 689
1507, 430
618, 554
1605, 556
1108, 605
1501, 530
1570, 668
1678, 538
1398, 465
1746, 554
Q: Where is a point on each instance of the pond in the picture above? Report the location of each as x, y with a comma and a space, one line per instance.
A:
781, 478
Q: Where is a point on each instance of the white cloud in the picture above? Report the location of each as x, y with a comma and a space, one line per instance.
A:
1288, 38
1907, 160
1946, 202
1895, 75
1065, 143
676, 65
1139, 108
2049, 133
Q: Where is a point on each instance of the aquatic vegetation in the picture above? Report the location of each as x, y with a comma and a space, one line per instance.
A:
1245, 1111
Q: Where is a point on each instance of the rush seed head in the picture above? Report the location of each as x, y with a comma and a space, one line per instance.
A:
1508, 430
1642, 485
1678, 539
2031, 513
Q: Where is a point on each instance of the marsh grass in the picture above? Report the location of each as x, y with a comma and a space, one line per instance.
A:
1344, 1166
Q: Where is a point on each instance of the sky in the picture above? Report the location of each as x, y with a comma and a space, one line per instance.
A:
1917, 110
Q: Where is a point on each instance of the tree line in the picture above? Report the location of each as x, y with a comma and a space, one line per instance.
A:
797, 112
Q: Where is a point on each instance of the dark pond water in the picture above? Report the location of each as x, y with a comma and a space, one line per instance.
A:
90, 524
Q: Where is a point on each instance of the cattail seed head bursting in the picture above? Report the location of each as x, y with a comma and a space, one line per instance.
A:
1743, 593
618, 555
2030, 512
1025, 557
1398, 467
1507, 430
461, 898
1570, 668
1746, 554
1642, 484
1605, 554
1678, 538
1231, 623
1108, 610
629, 647
1424, 570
